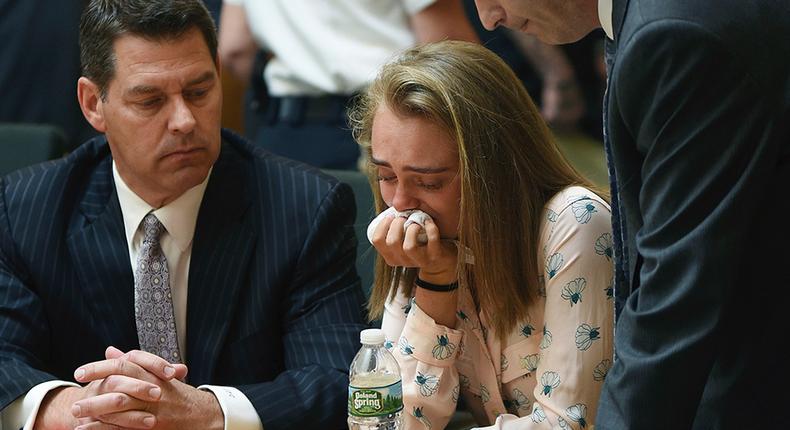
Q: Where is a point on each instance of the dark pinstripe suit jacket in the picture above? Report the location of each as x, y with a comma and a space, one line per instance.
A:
274, 305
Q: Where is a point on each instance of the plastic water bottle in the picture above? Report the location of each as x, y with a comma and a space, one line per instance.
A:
375, 396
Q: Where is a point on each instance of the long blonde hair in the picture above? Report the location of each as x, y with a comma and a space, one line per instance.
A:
509, 167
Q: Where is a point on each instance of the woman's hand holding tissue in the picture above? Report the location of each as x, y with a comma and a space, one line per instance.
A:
397, 237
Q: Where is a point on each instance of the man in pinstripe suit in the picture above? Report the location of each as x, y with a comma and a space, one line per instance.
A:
266, 304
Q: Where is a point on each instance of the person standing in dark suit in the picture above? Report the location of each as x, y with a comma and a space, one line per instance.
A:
169, 245
697, 132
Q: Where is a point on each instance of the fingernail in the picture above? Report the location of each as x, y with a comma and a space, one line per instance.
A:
170, 371
75, 410
149, 422
79, 374
155, 392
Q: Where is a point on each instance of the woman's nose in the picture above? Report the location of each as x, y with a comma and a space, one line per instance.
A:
403, 200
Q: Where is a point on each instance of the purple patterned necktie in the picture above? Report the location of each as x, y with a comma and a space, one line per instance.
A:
153, 303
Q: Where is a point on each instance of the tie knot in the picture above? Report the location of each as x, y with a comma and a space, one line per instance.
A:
152, 228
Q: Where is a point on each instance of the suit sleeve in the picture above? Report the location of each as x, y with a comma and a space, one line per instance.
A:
22, 321
323, 315
703, 126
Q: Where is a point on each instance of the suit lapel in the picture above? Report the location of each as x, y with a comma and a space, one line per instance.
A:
621, 286
221, 252
100, 255
619, 8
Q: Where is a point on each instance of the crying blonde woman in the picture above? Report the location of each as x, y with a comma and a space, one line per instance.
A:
494, 270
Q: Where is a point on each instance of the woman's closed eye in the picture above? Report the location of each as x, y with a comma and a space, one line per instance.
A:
430, 186
386, 178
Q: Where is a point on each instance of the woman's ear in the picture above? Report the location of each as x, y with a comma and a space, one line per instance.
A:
90, 100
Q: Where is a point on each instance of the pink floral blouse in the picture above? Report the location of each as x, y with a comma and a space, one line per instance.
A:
549, 371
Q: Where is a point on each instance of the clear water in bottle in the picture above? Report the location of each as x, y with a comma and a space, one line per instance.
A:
375, 396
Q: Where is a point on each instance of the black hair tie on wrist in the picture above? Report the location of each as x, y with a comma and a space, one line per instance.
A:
446, 288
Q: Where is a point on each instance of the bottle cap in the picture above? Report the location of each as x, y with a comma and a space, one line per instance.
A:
372, 336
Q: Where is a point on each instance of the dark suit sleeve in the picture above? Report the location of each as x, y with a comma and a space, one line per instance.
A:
704, 127
322, 320
22, 321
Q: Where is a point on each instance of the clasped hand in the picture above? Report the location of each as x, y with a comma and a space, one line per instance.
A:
135, 390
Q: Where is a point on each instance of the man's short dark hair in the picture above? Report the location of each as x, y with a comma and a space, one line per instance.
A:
104, 21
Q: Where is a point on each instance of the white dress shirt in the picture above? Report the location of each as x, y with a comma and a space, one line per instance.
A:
605, 16
179, 218
328, 46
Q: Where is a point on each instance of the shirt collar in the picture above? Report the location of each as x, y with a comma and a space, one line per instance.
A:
179, 216
605, 16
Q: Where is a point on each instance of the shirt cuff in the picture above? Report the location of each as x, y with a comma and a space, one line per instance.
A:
21, 413
428, 341
237, 408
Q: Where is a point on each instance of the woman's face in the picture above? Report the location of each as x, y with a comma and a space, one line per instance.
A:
417, 167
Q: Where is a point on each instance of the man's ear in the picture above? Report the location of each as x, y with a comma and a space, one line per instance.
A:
89, 97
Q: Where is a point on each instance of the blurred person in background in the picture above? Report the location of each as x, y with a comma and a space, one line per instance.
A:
320, 54
564, 81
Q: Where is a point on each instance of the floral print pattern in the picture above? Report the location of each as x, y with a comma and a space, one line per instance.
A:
604, 246
578, 413
572, 291
583, 210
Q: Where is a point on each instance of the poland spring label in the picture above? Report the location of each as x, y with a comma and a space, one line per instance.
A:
375, 401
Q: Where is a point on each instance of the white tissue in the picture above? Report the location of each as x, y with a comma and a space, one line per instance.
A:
412, 217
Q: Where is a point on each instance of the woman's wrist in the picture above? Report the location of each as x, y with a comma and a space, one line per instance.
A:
438, 288
440, 306
438, 278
